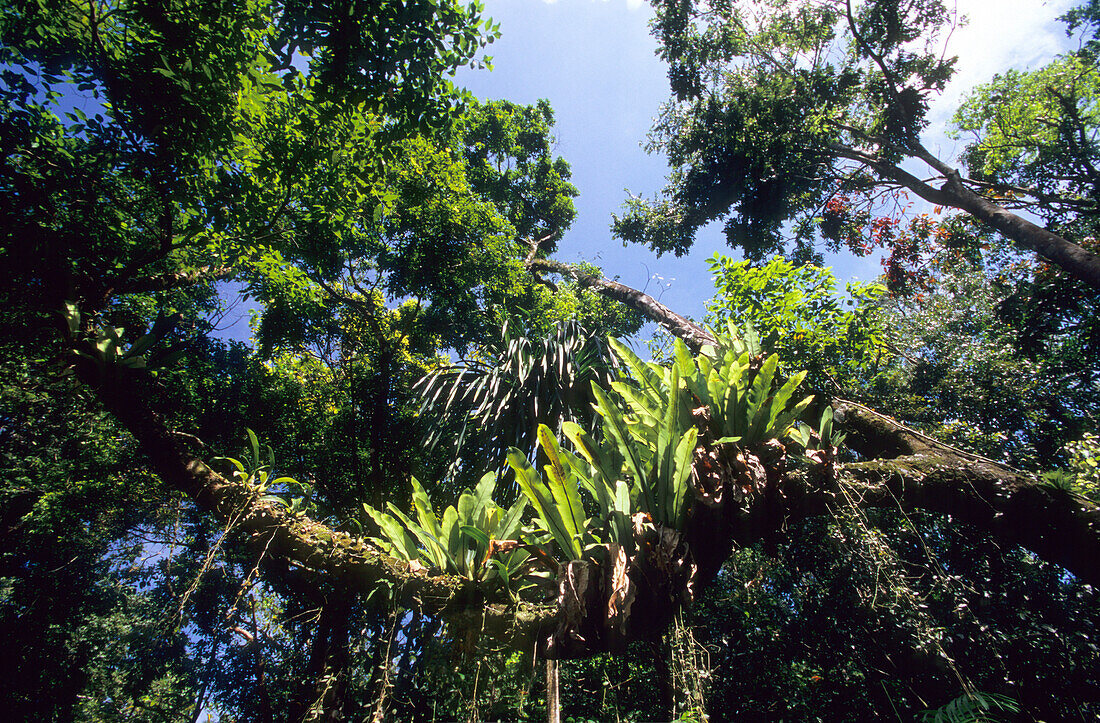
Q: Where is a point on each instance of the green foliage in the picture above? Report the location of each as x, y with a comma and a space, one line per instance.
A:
762, 96
740, 394
826, 438
81, 610
257, 473
509, 157
1084, 457
656, 438
1037, 130
1087, 16
208, 157
601, 474
460, 541
801, 316
380, 229
485, 405
557, 503
1082, 475
972, 707
192, 63
644, 464
105, 347
444, 226
847, 619
213, 155
991, 362
797, 124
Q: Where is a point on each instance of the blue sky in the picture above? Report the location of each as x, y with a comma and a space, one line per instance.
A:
594, 61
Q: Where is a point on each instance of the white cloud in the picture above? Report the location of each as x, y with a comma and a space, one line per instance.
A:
999, 34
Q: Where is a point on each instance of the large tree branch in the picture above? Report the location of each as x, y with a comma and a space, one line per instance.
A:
349, 561
616, 596
1065, 254
1052, 200
913, 471
693, 335
1010, 506
893, 173
954, 193
1055, 525
612, 598
124, 283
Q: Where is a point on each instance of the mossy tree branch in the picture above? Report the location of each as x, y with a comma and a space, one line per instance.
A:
604, 603
348, 561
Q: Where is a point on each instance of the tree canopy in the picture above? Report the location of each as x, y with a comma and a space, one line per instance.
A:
797, 121
814, 504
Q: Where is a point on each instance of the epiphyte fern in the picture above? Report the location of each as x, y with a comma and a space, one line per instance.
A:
257, 472
739, 392
650, 429
462, 540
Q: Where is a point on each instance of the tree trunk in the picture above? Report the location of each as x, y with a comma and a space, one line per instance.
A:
322, 700
1068, 256
553, 692
1064, 254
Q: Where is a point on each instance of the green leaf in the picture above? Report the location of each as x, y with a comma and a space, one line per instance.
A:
477, 536
563, 486
483, 500
505, 575
624, 509
756, 413
787, 418
400, 542
825, 430
72, 318
431, 549
452, 537
235, 462
779, 403
645, 375
509, 525
424, 512
668, 435
685, 456
601, 488
171, 357
140, 346
542, 500
642, 405
255, 446
683, 359
616, 427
